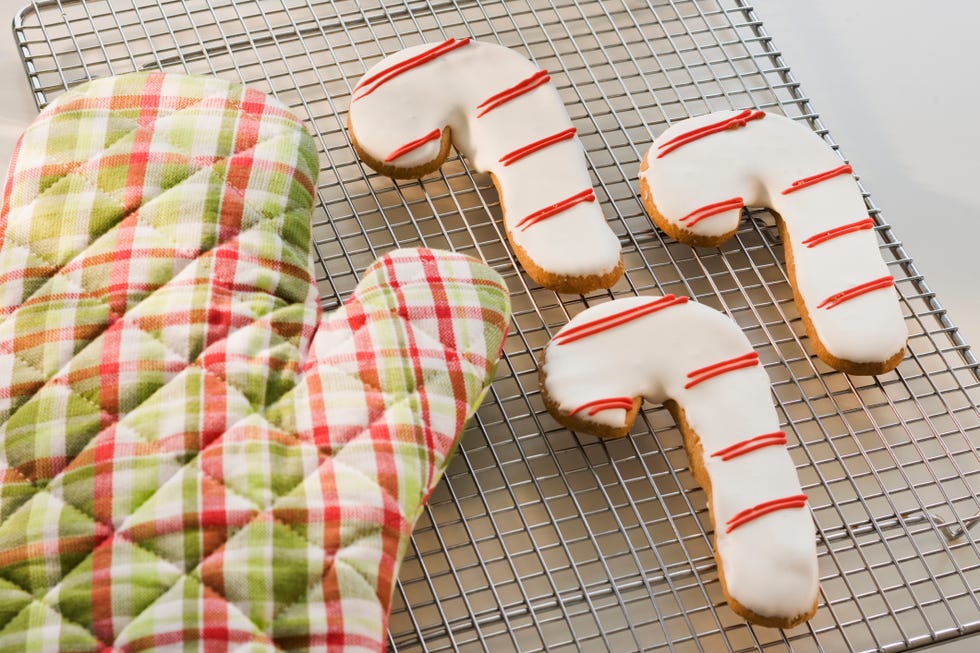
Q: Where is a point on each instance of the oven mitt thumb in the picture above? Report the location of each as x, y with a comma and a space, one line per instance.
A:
191, 456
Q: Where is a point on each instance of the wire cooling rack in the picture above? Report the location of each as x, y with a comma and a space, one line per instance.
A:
540, 538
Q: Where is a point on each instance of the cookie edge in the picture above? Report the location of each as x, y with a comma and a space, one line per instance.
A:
855, 368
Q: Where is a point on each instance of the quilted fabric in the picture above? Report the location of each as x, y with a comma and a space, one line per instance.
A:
192, 458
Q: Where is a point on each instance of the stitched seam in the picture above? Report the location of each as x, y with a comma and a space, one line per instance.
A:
47, 379
77, 168
64, 501
273, 422
385, 492
333, 554
91, 403
180, 572
261, 511
305, 597
65, 619
262, 219
232, 533
351, 375
34, 599
99, 408
254, 117
57, 270
20, 357
269, 511
117, 417
116, 421
96, 155
296, 249
137, 126
123, 535
114, 532
184, 574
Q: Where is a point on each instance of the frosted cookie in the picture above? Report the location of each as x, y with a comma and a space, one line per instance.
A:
595, 374
701, 172
504, 115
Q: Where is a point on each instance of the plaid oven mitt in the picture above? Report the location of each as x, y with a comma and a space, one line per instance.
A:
191, 458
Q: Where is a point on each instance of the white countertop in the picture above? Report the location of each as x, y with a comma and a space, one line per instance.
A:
893, 80
17, 108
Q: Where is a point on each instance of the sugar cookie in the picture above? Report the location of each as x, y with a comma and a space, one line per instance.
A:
701, 172
595, 374
504, 115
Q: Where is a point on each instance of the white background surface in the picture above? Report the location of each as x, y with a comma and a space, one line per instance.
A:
894, 81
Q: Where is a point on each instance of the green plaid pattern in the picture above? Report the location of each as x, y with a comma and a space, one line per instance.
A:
191, 456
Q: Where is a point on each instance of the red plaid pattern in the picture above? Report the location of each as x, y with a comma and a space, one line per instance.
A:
190, 454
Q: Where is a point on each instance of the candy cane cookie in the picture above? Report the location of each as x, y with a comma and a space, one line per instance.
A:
701, 172
501, 111
595, 374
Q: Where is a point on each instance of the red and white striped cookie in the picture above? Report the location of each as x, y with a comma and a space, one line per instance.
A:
701, 172
501, 111
595, 374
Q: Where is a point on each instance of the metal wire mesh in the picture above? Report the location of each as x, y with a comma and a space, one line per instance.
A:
539, 538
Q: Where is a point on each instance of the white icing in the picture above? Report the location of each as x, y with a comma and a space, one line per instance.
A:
756, 162
445, 92
770, 563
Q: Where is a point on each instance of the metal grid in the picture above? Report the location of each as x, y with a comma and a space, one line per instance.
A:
539, 538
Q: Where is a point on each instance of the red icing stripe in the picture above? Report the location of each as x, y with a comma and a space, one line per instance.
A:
412, 145
382, 76
715, 369
857, 291
817, 178
531, 148
764, 508
734, 122
609, 321
751, 444
595, 406
824, 236
699, 214
517, 90
586, 195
